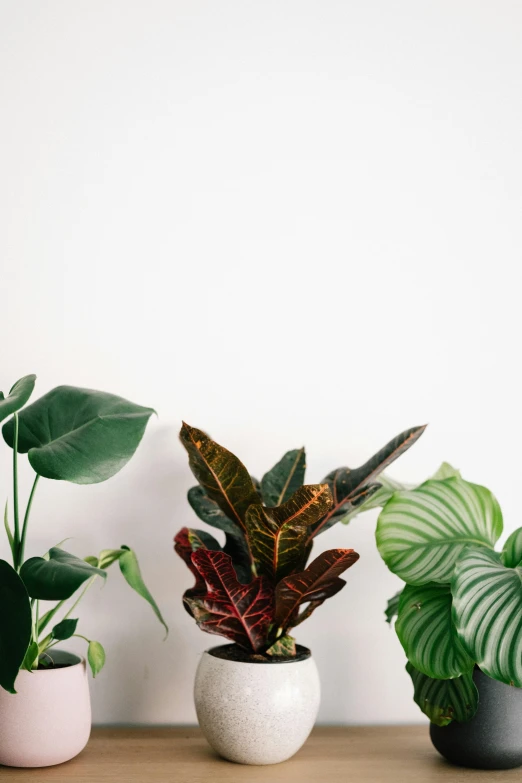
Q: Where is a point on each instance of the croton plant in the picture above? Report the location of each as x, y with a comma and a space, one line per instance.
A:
461, 605
257, 587
70, 434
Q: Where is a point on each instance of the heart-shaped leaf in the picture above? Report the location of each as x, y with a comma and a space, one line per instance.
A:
57, 578
512, 551
278, 536
64, 630
487, 610
445, 700
96, 657
15, 625
421, 533
319, 581
350, 488
241, 613
427, 633
79, 435
17, 397
392, 607
223, 477
285, 478
130, 569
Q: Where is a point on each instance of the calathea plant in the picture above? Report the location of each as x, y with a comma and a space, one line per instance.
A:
461, 606
257, 587
69, 434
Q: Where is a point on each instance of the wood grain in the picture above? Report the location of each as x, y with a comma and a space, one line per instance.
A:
377, 754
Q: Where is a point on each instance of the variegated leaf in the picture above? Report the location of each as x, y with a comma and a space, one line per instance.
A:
284, 647
426, 631
392, 607
487, 606
421, 533
444, 700
512, 551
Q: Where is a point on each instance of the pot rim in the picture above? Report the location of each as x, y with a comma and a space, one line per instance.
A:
305, 655
78, 661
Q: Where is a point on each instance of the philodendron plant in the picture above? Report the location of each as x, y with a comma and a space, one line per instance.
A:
69, 434
461, 606
257, 587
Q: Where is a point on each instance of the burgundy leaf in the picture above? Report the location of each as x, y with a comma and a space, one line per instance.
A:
241, 613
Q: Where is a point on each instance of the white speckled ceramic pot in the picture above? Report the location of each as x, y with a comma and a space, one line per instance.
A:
48, 720
256, 713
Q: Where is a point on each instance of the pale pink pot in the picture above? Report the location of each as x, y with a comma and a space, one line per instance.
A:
48, 720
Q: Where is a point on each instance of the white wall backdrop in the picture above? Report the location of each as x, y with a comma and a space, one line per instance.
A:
287, 222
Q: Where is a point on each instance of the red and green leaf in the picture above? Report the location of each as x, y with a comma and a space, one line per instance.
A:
351, 488
186, 542
241, 613
315, 584
278, 535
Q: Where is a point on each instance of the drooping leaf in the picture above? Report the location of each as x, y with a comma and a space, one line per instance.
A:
107, 557
278, 535
96, 657
223, 477
487, 610
392, 608
285, 478
319, 581
130, 569
64, 630
241, 613
79, 435
15, 625
30, 661
421, 533
17, 397
512, 550
426, 631
445, 700
58, 577
284, 647
348, 486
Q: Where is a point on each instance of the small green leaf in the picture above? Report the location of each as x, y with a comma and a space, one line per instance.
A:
17, 397
283, 647
57, 578
446, 471
64, 630
96, 657
92, 560
31, 657
392, 607
109, 556
512, 551
285, 478
131, 571
15, 625
444, 700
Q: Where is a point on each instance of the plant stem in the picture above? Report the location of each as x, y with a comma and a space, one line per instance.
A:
73, 607
26, 520
16, 554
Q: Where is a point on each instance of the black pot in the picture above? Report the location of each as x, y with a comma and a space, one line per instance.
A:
492, 739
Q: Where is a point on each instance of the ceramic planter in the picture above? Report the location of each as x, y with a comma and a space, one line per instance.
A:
256, 713
48, 720
492, 739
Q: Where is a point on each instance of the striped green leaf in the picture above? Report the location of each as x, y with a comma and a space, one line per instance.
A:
392, 607
444, 700
512, 552
487, 610
421, 533
427, 633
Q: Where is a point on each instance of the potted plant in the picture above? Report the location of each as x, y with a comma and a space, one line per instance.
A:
85, 437
257, 698
459, 616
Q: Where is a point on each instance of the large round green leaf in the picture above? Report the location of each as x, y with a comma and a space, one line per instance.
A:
79, 435
15, 625
57, 578
487, 610
444, 700
427, 633
421, 533
17, 397
512, 550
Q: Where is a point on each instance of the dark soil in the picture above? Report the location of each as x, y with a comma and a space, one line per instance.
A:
232, 652
45, 667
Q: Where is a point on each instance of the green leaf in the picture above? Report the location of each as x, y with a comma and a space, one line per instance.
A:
446, 471
131, 571
487, 610
392, 607
278, 536
280, 483
427, 633
17, 397
223, 477
444, 700
109, 556
421, 533
92, 560
283, 648
512, 551
15, 625
64, 630
79, 435
31, 657
96, 657
377, 499
57, 578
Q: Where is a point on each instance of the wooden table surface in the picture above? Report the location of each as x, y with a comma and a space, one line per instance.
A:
399, 754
